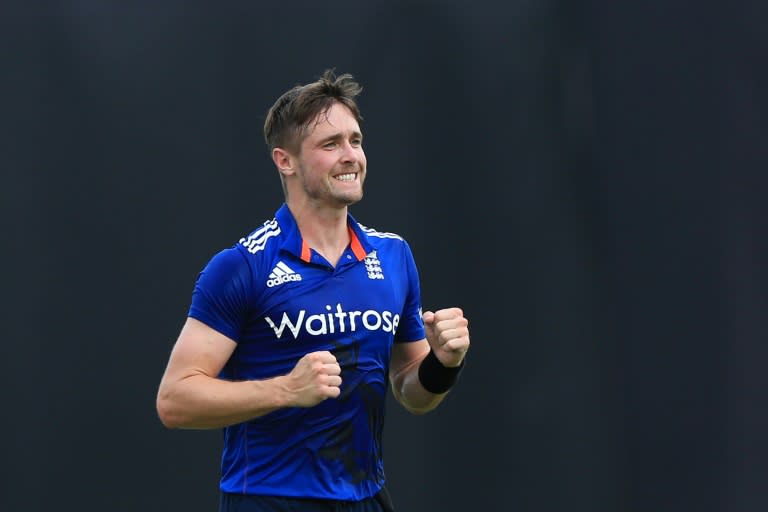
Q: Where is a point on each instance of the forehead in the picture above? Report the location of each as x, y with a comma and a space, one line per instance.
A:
338, 119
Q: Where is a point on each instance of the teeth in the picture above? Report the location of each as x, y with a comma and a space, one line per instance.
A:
346, 177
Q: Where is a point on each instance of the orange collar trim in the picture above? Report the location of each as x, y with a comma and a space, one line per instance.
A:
306, 252
354, 243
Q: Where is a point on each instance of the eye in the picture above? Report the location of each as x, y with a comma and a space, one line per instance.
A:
356, 142
330, 144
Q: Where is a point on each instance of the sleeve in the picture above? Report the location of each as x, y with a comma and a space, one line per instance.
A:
220, 298
411, 326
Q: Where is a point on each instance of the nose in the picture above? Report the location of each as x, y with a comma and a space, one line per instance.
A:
350, 153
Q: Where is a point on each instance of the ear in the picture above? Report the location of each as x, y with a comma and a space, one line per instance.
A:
284, 161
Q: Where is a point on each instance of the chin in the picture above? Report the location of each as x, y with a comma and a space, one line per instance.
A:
353, 201
349, 196
350, 200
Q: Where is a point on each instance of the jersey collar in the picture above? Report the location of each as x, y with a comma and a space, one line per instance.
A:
295, 244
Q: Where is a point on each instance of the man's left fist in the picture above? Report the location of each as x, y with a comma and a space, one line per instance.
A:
448, 335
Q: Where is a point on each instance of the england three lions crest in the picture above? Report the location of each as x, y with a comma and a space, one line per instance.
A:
373, 266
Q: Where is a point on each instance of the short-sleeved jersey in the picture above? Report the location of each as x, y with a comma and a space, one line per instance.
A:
278, 300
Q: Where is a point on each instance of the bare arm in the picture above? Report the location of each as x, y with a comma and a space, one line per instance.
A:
192, 396
404, 377
448, 338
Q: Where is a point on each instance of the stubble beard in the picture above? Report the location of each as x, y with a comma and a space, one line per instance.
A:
340, 197
347, 198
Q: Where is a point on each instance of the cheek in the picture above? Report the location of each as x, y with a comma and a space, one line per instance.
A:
317, 166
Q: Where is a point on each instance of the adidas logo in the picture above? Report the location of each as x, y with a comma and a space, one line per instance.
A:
282, 273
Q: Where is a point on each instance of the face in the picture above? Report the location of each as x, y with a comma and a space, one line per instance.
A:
331, 166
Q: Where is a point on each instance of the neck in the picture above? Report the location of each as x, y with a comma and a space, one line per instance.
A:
323, 229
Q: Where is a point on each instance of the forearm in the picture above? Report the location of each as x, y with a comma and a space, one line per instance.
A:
408, 390
203, 402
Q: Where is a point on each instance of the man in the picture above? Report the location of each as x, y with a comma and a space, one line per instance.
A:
293, 331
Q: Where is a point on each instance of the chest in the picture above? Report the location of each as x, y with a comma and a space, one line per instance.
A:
306, 301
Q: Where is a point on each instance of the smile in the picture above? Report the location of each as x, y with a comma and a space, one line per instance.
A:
346, 177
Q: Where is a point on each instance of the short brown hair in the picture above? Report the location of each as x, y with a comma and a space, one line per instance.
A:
290, 116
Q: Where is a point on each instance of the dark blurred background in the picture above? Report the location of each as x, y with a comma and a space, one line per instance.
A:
586, 178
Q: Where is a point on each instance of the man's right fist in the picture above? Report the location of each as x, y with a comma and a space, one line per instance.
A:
315, 377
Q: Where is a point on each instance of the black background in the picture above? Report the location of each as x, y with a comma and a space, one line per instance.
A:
587, 179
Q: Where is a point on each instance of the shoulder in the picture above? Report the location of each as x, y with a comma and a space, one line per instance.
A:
227, 264
387, 245
376, 235
244, 256
261, 238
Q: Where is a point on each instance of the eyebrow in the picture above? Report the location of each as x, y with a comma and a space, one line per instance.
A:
339, 136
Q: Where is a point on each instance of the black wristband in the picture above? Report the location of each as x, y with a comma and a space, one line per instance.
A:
435, 377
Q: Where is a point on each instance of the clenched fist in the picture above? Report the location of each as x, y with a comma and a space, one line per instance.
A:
448, 335
315, 378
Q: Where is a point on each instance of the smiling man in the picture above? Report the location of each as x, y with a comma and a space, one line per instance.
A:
294, 333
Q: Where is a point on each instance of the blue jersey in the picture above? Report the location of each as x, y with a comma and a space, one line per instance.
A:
279, 300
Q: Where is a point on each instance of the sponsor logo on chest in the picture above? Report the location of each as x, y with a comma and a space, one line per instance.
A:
334, 321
